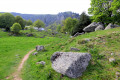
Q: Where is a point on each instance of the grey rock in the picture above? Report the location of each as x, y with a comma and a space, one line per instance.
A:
35, 53
100, 27
29, 35
42, 63
112, 54
70, 63
91, 27
110, 26
74, 49
78, 34
40, 48
87, 39
112, 59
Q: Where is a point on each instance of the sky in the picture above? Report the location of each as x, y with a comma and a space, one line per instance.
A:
44, 6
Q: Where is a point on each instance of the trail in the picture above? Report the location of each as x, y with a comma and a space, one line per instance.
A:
16, 75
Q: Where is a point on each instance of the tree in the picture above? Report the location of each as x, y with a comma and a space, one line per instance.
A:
6, 21
31, 28
38, 24
69, 24
100, 9
58, 27
29, 22
16, 27
20, 20
83, 22
105, 11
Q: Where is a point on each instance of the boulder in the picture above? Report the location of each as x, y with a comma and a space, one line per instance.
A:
74, 49
100, 27
35, 53
71, 64
29, 35
91, 27
39, 48
110, 26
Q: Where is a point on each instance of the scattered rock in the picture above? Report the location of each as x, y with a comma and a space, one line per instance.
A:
42, 63
100, 27
39, 48
74, 49
112, 54
112, 59
117, 75
29, 35
87, 39
78, 34
69, 63
35, 53
91, 27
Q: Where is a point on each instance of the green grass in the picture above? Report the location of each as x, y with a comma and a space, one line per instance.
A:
102, 44
12, 50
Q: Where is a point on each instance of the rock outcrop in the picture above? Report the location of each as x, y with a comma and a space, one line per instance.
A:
70, 63
100, 27
110, 26
92, 26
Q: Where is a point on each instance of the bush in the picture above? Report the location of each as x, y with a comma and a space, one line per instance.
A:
16, 27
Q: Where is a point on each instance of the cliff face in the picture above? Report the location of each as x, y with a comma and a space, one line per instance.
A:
48, 18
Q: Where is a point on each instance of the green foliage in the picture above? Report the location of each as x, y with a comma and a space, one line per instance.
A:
69, 24
6, 21
31, 28
29, 22
105, 11
16, 27
20, 20
39, 24
83, 22
58, 28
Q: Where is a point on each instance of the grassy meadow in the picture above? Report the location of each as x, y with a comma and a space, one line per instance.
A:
12, 50
101, 45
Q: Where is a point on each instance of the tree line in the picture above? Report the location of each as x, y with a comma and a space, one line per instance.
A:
15, 24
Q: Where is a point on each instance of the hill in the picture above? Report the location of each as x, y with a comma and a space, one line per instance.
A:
48, 18
102, 45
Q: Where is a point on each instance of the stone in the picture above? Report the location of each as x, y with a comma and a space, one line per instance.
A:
29, 35
77, 34
112, 54
112, 59
100, 27
91, 27
74, 49
109, 26
41, 62
71, 64
35, 53
87, 39
39, 48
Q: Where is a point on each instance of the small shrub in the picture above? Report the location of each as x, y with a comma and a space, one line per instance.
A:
16, 27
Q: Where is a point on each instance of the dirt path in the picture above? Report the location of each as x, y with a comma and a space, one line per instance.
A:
16, 75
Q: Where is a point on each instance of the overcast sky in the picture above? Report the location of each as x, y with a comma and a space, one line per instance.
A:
44, 6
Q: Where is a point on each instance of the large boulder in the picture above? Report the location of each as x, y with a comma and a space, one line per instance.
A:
91, 27
70, 63
100, 27
40, 48
110, 26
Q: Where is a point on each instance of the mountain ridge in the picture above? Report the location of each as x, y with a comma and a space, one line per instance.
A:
47, 18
